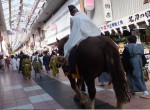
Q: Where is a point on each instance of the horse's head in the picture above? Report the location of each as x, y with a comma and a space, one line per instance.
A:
60, 45
61, 60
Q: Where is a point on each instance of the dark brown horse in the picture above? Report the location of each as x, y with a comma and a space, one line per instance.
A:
94, 56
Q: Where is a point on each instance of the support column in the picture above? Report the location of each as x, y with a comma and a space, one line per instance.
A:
82, 6
39, 37
33, 39
1, 39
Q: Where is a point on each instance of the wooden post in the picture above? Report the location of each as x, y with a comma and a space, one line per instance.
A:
82, 6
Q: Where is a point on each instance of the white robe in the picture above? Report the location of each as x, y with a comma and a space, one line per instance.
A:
18, 62
14, 64
81, 28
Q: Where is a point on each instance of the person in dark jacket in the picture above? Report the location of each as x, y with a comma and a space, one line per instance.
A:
133, 63
46, 61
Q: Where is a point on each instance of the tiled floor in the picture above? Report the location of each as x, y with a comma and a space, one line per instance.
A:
17, 92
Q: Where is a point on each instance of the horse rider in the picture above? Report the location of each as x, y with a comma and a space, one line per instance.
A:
82, 27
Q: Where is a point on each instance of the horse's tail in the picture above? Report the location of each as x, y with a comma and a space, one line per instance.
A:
116, 71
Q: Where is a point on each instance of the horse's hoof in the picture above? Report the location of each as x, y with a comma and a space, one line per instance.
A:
83, 101
76, 97
87, 106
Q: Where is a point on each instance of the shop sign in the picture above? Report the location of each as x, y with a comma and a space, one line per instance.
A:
111, 25
146, 1
107, 10
137, 17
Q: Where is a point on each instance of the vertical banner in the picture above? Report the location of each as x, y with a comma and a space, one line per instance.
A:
107, 10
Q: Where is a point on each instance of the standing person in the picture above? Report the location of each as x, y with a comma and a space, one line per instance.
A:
37, 64
21, 59
18, 62
13, 63
41, 59
26, 67
53, 65
7, 60
133, 63
104, 77
46, 61
2, 62
82, 27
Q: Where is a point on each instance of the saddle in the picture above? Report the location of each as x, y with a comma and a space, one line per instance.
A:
66, 68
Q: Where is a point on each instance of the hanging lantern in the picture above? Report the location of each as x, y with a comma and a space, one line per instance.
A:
89, 4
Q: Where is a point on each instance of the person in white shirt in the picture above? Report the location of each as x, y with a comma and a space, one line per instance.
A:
13, 63
82, 27
18, 62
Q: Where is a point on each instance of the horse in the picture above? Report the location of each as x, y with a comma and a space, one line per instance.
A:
96, 55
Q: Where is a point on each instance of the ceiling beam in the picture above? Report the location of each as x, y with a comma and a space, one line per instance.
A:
10, 13
32, 12
58, 7
20, 13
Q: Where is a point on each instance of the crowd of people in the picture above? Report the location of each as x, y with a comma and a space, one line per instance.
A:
24, 63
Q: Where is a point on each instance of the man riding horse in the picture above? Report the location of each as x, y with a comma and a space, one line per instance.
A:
88, 55
81, 28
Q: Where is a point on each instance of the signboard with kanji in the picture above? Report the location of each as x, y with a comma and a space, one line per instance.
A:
107, 10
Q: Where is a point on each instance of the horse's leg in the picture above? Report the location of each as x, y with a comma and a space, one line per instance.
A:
119, 105
76, 88
73, 86
81, 84
92, 91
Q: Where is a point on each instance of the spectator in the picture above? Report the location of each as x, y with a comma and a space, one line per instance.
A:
133, 61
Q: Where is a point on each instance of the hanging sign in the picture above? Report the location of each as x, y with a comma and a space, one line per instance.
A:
131, 19
107, 10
